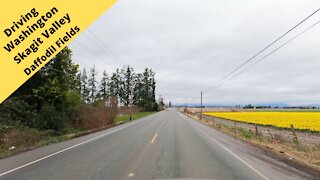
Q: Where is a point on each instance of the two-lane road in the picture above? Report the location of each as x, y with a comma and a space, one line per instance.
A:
161, 146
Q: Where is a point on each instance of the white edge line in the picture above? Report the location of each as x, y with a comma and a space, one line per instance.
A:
236, 156
63, 150
224, 147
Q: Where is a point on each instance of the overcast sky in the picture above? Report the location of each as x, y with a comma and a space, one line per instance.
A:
192, 44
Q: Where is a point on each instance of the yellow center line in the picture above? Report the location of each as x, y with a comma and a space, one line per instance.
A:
156, 134
154, 138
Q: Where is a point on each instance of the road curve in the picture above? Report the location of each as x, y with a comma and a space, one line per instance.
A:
165, 145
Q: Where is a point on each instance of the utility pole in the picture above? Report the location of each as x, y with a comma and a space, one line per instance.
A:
201, 107
131, 98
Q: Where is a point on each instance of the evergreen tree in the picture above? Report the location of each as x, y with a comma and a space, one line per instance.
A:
152, 97
148, 89
92, 85
43, 101
84, 83
58, 77
104, 85
138, 90
128, 84
115, 84
78, 81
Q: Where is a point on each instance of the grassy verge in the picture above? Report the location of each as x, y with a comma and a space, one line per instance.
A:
126, 117
17, 139
20, 139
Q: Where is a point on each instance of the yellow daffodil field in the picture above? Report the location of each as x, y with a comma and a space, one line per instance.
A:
300, 120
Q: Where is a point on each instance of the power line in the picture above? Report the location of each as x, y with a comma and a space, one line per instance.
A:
79, 62
266, 56
89, 50
247, 61
263, 58
295, 37
106, 49
97, 44
104, 44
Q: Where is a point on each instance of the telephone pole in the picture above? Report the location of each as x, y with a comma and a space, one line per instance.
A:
201, 107
131, 98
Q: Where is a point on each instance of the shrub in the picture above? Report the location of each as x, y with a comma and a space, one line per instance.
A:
21, 137
50, 118
15, 110
101, 114
72, 102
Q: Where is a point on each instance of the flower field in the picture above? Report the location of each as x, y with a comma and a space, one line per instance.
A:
300, 120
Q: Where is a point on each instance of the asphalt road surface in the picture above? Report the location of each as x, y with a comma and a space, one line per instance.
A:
165, 145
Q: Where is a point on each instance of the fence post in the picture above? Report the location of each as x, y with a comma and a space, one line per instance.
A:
295, 137
270, 133
257, 133
235, 128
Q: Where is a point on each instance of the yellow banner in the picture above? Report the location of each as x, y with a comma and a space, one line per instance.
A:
32, 32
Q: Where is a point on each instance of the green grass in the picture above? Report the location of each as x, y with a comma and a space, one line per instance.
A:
125, 118
245, 133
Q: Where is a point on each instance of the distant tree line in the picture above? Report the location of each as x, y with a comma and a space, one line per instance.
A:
51, 99
137, 89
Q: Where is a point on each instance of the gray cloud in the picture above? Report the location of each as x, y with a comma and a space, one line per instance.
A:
192, 44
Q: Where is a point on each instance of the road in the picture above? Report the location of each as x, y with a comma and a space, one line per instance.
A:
161, 146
